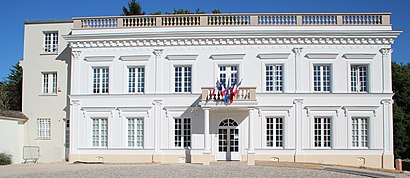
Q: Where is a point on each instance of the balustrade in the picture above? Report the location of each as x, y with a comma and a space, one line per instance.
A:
244, 94
204, 20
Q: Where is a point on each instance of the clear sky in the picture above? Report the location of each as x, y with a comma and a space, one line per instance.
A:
15, 12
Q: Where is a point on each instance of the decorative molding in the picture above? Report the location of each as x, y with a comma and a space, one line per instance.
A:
99, 58
77, 42
358, 55
227, 56
75, 54
98, 109
309, 109
273, 56
321, 55
360, 108
386, 51
135, 58
298, 101
182, 57
158, 52
274, 108
386, 101
297, 51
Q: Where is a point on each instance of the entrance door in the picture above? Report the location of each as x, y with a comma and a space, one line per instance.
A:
228, 141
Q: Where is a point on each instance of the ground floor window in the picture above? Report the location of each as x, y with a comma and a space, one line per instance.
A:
183, 132
135, 132
359, 132
322, 131
100, 132
43, 128
274, 132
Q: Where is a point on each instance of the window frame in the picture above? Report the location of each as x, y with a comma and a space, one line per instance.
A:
43, 128
54, 40
274, 131
322, 87
52, 87
136, 135
144, 79
184, 67
183, 136
357, 78
100, 135
359, 131
331, 135
92, 79
265, 86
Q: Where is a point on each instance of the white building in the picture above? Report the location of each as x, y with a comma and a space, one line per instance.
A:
315, 88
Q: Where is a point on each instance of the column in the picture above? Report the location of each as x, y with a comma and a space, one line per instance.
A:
207, 148
158, 69
75, 115
386, 70
388, 158
298, 126
251, 149
75, 72
157, 125
298, 69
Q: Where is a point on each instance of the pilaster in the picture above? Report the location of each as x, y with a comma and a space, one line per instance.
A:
158, 69
386, 70
298, 69
157, 127
387, 134
298, 125
75, 71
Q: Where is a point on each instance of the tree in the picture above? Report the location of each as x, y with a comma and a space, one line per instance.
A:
134, 8
216, 11
401, 109
4, 97
11, 89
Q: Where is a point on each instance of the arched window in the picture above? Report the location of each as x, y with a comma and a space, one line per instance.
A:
228, 122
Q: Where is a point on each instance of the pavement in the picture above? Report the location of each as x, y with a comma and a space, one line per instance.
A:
182, 170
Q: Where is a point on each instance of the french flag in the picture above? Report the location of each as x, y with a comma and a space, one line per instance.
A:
227, 92
218, 87
236, 88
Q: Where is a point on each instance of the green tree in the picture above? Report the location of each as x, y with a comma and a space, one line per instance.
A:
401, 109
4, 97
216, 11
11, 89
134, 8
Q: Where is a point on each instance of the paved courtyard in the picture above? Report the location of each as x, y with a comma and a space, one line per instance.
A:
160, 170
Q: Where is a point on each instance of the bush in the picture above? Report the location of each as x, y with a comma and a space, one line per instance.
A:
5, 159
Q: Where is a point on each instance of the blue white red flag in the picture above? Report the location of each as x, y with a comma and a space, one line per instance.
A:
218, 87
236, 88
228, 88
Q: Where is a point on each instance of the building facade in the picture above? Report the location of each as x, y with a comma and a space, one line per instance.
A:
313, 88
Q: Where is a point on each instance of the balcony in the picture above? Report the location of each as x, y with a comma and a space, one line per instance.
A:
217, 20
244, 94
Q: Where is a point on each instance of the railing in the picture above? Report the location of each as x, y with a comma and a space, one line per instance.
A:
244, 94
206, 20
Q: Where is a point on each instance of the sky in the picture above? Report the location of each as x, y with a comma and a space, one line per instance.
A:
15, 12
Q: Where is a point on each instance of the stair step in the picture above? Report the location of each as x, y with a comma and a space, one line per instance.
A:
228, 163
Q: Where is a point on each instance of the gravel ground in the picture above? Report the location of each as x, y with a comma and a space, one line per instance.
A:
158, 170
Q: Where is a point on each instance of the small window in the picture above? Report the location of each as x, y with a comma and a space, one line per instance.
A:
321, 78
100, 80
359, 132
183, 78
183, 132
136, 79
136, 132
100, 132
322, 132
227, 72
43, 128
358, 78
50, 42
274, 132
274, 78
49, 83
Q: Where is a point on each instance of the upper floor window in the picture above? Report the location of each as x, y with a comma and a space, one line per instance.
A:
183, 78
43, 128
136, 132
49, 83
100, 80
183, 132
136, 79
322, 132
321, 78
359, 132
100, 132
274, 78
228, 72
50, 42
358, 78
274, 132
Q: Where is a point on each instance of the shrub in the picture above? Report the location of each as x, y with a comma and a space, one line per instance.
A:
5, 159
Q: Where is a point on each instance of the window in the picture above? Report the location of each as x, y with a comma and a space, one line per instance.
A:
43, 128
182, 132
274, 132
100, 132
136, 79
359, 132
183, 78
274, 78
49, 83
322, 132
100, 80
136, 132
50, 42
228, 72
321, 78
358, 78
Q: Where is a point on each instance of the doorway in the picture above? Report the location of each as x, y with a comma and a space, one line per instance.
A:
228, 141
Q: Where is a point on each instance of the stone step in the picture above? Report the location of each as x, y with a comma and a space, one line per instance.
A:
228, 163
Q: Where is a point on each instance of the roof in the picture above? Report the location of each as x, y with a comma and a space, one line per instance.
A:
39, 21
13, 115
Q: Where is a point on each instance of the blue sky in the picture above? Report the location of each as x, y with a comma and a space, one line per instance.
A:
15, 12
